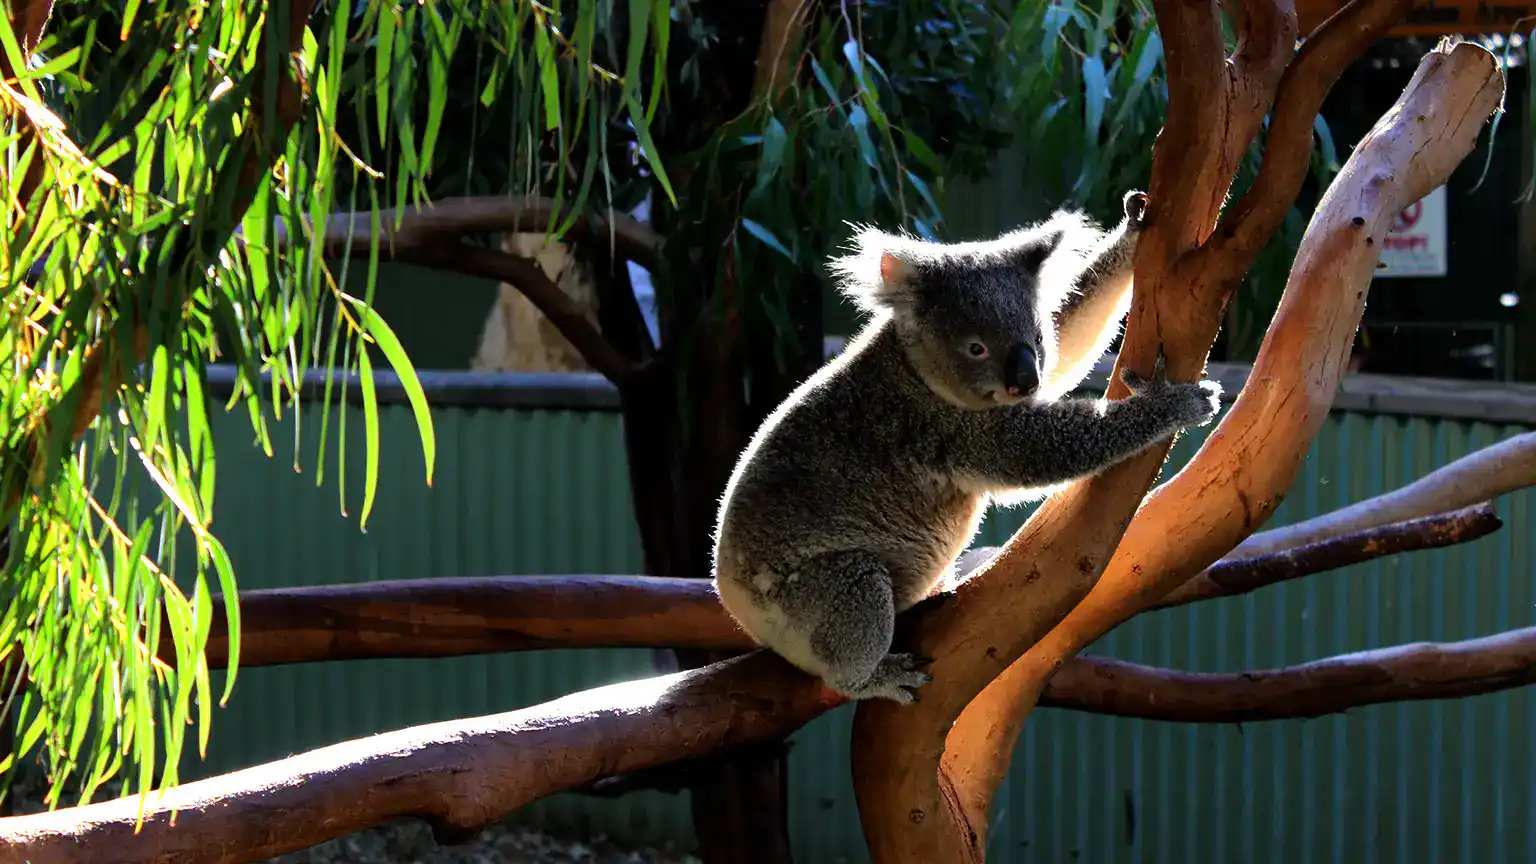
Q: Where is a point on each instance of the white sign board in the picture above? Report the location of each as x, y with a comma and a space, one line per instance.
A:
1415, 244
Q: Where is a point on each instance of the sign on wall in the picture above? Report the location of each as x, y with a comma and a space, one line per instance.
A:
1415, 244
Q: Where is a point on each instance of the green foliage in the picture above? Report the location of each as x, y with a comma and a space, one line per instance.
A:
169, 219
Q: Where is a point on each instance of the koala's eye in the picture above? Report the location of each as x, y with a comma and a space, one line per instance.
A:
977, 350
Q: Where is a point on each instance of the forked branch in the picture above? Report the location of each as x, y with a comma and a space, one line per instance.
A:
1478, 476
1244, 468
1327, 52
1215, 109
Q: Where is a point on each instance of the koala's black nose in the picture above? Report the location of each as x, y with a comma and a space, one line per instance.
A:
1020, 373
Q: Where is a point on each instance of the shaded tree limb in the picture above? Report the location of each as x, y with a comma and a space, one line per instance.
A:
778, 51
910, 805
529, 279
1231, 577
432, 236
1244, 468
472, 772
496, 614
1487, 473
450, 219
1402, 673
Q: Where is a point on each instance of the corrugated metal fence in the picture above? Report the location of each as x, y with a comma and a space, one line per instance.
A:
544, 491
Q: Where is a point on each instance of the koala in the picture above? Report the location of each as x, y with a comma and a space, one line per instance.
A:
856, 495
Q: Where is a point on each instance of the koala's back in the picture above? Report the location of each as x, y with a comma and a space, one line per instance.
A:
850, 462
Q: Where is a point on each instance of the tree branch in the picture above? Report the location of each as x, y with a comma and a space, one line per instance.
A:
1478, 476
1244, 468
480, 615
778, 50
535, 284
459, 775
1327, 52
1403, 673
450, 219
1232, 576
495, 614
474, 771
431, 236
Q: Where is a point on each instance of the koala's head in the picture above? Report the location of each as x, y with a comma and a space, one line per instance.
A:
974, 318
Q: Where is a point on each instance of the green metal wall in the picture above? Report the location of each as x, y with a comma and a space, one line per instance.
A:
544, 491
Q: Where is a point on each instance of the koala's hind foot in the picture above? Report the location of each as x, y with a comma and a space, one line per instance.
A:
895, 677
836, 622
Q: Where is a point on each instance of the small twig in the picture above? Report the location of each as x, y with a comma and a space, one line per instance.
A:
1417, 671
1233, 576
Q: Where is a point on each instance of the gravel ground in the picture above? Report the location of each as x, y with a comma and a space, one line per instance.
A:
409, 841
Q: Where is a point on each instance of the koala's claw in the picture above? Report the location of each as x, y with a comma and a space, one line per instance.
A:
1135, 206
895, 678
1158, 379
1182, 404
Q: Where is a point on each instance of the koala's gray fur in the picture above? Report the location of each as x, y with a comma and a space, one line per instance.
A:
856, 495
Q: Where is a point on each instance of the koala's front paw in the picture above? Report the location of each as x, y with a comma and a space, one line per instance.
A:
1135, 205
1183, 404
895, 679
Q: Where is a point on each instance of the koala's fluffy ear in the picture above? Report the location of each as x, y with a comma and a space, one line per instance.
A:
1033, 250
879, 273
1066, 232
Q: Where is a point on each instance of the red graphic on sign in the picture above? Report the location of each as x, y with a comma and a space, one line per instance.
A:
1408, 217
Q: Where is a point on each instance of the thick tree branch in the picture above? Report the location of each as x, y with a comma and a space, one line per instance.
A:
480, 615
1478, 476
472, 772
1403, 673
458, 775
1244, 468
778, 51
535, 284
